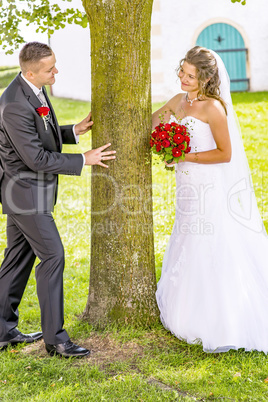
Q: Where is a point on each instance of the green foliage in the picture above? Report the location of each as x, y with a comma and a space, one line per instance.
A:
46, 16
243, 2
7, 75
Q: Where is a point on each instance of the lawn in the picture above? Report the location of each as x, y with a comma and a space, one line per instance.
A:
130, 364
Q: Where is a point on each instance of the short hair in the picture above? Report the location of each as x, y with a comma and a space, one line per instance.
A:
31, 54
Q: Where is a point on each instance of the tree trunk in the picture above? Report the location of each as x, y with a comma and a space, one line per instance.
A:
122, 274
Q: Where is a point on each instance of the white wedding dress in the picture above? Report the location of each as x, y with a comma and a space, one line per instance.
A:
214, 283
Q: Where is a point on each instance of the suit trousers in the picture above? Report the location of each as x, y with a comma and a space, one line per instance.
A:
28, 237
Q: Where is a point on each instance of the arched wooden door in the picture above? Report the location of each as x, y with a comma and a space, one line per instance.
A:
229, 44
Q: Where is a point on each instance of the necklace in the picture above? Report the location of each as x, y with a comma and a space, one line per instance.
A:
191, 101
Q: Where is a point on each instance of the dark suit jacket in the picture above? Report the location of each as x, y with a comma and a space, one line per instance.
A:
30, 154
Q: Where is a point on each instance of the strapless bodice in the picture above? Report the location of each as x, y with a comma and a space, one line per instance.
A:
201, 138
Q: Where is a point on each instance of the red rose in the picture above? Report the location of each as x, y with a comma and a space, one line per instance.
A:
167, 126
43, 111
187, 150
165, 143
174, 124
152, 142
158, 146
163, 135
182, 147
184, 129
179, 130
178, 138
154, 134
176, 152
187, 139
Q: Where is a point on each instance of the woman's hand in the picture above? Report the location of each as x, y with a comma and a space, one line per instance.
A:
170, 164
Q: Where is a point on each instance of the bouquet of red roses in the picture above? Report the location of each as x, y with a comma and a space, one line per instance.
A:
170, 141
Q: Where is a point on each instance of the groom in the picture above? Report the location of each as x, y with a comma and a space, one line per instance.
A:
30, 161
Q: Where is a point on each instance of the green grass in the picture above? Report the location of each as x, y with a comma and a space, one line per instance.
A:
7, 74
5, 68
129, 364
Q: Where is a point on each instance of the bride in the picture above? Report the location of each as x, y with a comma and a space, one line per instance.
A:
214, 283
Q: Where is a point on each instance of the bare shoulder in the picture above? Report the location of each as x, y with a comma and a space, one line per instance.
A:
216, 115
174, 102
177, 97
214, 107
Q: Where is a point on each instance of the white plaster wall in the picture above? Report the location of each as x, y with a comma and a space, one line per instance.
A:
182, 22
157, 46
71, 46
9, 59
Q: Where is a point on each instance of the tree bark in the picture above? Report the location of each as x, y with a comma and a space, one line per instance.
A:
122, 273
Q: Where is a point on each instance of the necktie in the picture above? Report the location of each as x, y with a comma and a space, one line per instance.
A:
42, 98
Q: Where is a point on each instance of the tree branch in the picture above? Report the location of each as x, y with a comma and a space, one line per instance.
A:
46, 16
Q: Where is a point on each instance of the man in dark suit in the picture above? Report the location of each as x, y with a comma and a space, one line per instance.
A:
31, 159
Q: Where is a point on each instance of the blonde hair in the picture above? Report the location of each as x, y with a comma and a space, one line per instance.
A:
207, 73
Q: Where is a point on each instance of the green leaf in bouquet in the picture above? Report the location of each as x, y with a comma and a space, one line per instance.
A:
168, 150
171, 168
168, 158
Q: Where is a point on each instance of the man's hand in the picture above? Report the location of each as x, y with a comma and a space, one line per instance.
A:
84, 126
96, 156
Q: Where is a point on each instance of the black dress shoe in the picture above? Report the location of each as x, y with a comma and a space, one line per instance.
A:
21, 338
67, 349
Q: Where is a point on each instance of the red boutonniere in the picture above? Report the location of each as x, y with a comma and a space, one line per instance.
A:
43, 111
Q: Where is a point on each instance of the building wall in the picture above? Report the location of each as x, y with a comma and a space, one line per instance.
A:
9, 60
183, 21
176, 25
157, 51
71, 46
